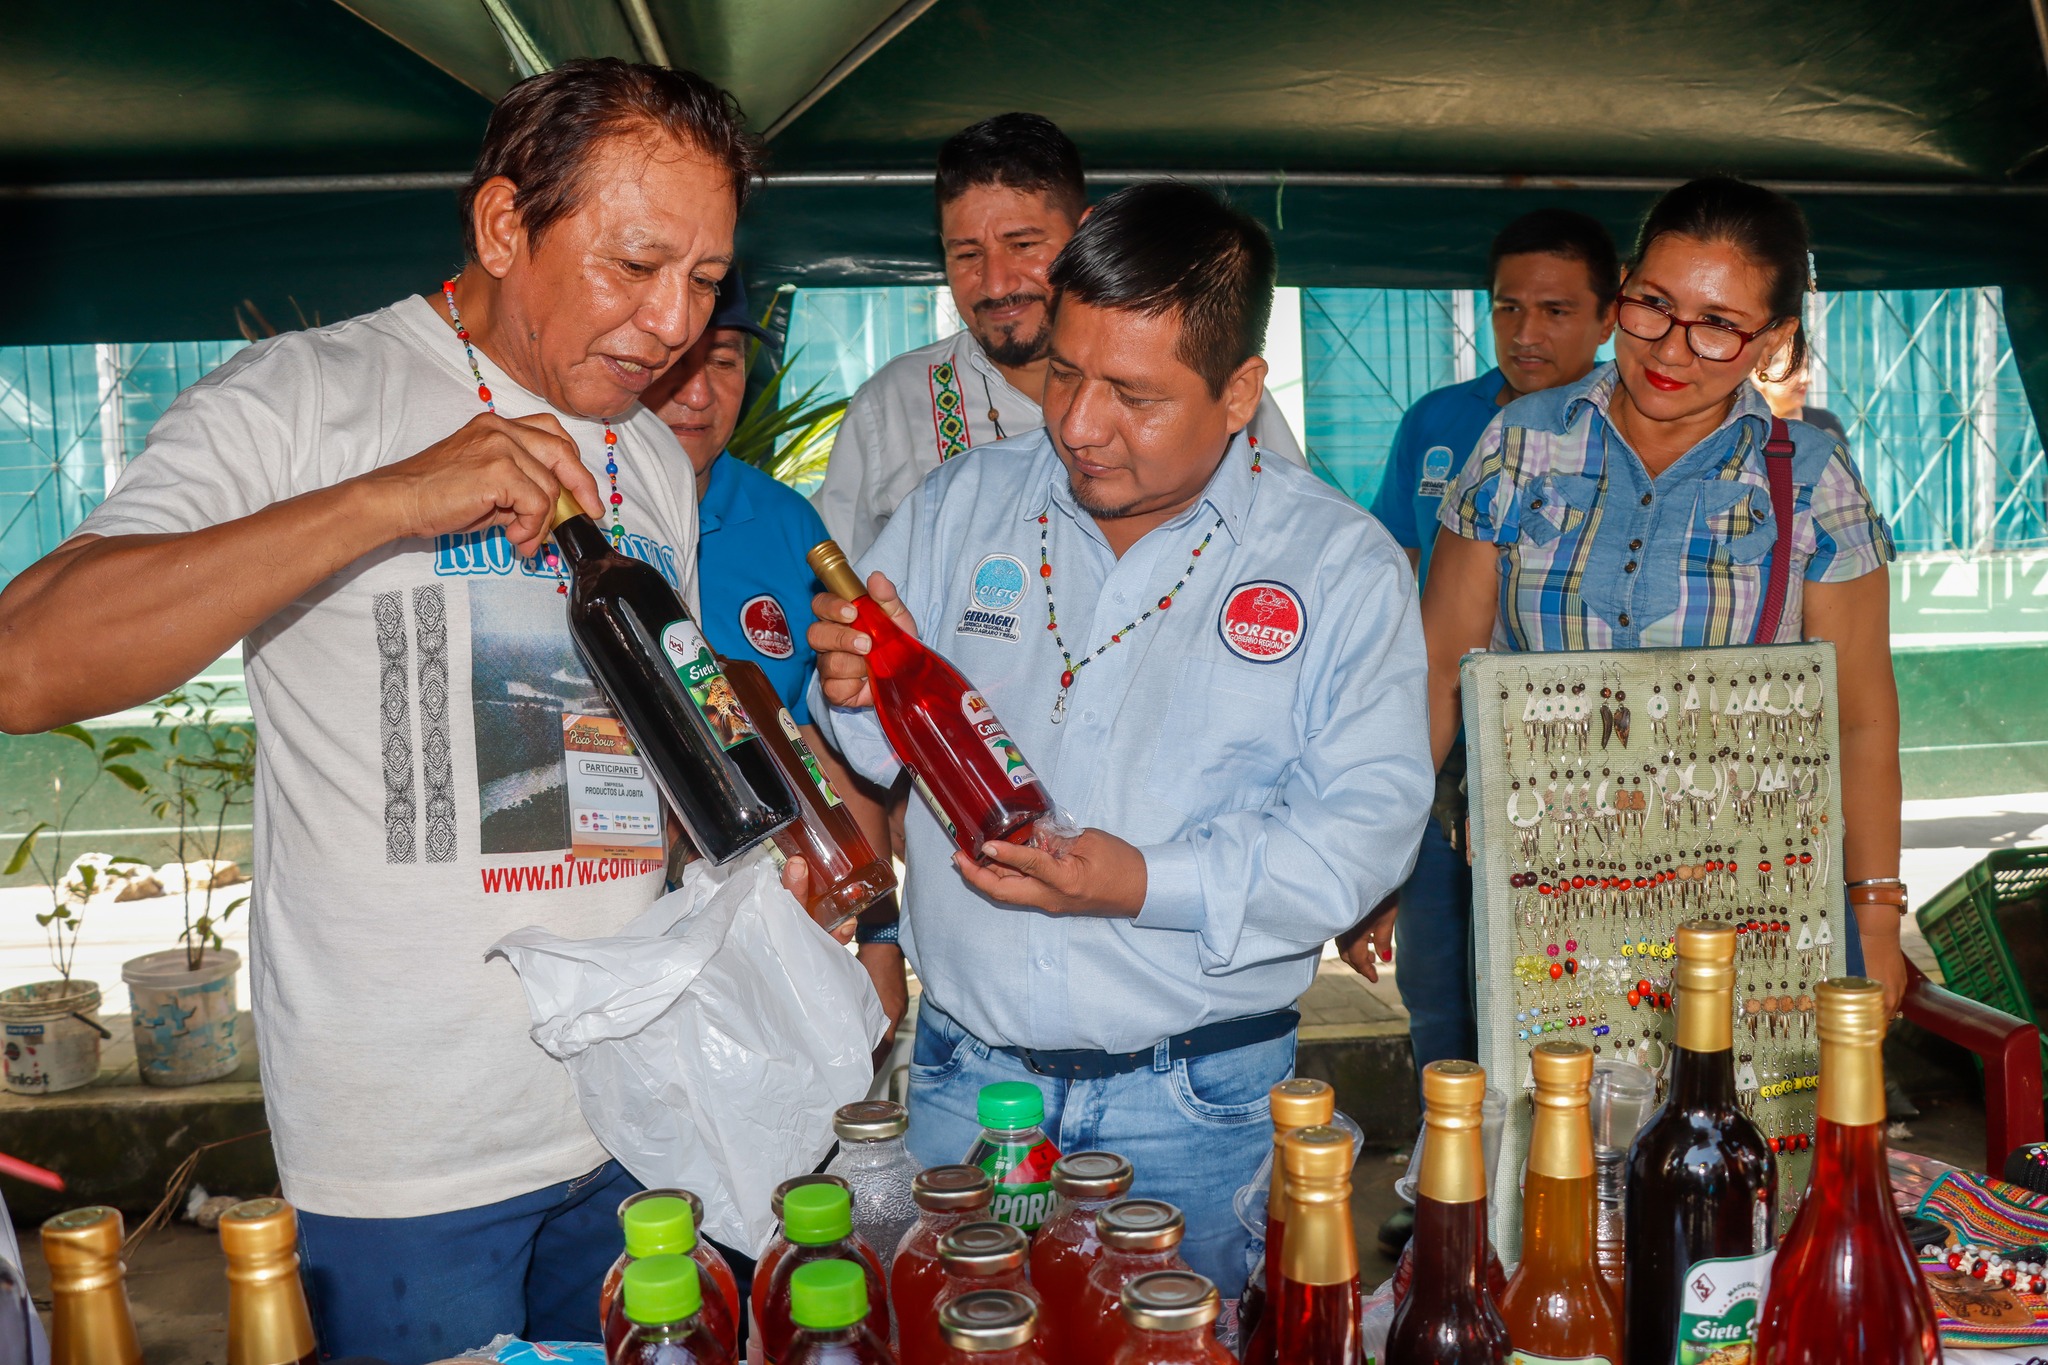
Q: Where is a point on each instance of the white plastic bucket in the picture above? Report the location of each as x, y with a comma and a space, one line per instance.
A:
46, 1039
185, 1023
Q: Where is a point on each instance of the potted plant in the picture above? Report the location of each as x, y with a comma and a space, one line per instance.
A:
183, 998
52, 1032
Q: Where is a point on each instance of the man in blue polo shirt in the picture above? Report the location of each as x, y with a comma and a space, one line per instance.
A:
752, 534
1553, 277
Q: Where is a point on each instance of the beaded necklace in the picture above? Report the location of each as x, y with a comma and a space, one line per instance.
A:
1052, 616
617, 530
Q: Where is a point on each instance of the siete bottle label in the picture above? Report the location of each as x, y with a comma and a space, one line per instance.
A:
1531, 1358
982, 717
702, 678
803, 751
1717, 1319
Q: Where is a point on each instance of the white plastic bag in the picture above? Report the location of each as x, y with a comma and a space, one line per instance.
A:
711, 1040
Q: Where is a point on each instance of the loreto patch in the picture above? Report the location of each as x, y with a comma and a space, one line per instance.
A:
766, 626
1262, 621
992, 600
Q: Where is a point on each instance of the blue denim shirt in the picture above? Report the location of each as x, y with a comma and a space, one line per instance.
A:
1264, 740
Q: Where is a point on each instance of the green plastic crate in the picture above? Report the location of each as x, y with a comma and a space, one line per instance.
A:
1989, 932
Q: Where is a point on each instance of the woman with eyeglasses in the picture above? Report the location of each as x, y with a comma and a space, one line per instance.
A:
1636, 509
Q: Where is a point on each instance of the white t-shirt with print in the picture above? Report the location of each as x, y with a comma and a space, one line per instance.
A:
412, 803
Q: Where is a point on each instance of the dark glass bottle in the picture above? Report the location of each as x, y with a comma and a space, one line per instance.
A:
847, 875
268, 1321
642, 647
963, 762
1702, 1202
1449, 1316
1296, 1103
1846, 1284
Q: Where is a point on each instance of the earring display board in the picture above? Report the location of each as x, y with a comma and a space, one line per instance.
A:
1613, 796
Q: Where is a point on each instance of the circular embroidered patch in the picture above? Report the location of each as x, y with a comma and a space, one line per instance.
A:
998, 582
766, 626
1262, 621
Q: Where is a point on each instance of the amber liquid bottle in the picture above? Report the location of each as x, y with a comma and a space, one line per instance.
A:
947, 1197
961, 759
1556, 1306
1169, 1318
89, 1319
1315, 1313
268, 1323
1846, 1284
1449, 1316
1297, 1103
1066, 1249
1702, 1204
846, 874
641, 645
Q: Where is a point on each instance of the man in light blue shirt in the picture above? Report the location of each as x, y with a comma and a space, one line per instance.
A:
1212, 660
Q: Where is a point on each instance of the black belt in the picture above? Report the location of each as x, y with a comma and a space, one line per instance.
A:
1226, 1035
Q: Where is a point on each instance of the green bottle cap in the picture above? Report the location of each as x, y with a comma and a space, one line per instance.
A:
1010, 1105
828, 1295
815, 1214
662, 1226
662, 1289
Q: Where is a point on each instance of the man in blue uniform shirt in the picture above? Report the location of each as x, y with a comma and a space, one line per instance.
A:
752, 535
1553, 276
1214, 664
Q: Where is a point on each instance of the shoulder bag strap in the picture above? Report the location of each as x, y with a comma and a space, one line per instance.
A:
1778, 452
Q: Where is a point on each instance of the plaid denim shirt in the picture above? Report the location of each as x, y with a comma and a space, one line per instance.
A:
1599, 555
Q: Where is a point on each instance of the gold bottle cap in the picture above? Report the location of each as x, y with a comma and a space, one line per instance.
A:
1317, 1152
1560, 1066
1170, 1301
1092, 1175
1706, 956
1301, 1102
870, 1121
1453, 1086
1140, 1225
983, 1249
92, 1233
1851, 1011
259, 1227
565, 507
988, 1320
828, 561
952, 1189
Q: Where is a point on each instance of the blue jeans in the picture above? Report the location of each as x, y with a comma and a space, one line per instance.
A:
1433, 963
1193, 1130
412, 1290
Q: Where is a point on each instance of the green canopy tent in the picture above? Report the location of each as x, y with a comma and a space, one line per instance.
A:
159, 164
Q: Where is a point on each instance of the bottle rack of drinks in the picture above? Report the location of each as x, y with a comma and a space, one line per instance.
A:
1615, 794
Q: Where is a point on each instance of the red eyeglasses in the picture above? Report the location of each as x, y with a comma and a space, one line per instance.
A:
1647, 321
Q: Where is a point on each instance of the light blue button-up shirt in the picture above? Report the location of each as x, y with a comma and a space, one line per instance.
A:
1264, 741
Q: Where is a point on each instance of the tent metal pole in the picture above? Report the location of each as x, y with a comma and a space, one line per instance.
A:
640, 19
444, 180
905, 15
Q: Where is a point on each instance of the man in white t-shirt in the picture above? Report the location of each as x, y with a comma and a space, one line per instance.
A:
1010, 194
365, 506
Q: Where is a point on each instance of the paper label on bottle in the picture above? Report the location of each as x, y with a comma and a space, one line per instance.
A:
1718, 1309
931, 803
702, 678
1531, 1358
614, 809
803, 751
982, 717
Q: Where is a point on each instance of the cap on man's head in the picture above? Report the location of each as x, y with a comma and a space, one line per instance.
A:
733, 312
1169, 247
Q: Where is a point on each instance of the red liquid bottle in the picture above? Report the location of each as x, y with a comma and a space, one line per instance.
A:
662, 1300
1449, 1316
974, 1257
1297, 1103
834, 1320
991, 1327
1557, 1307
947, 1197
1068, 1246
1168, 1319
1139, 1237
1316, 1312
963, 762
666, 1225
1846, 1284
778, 1247
817, 1223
